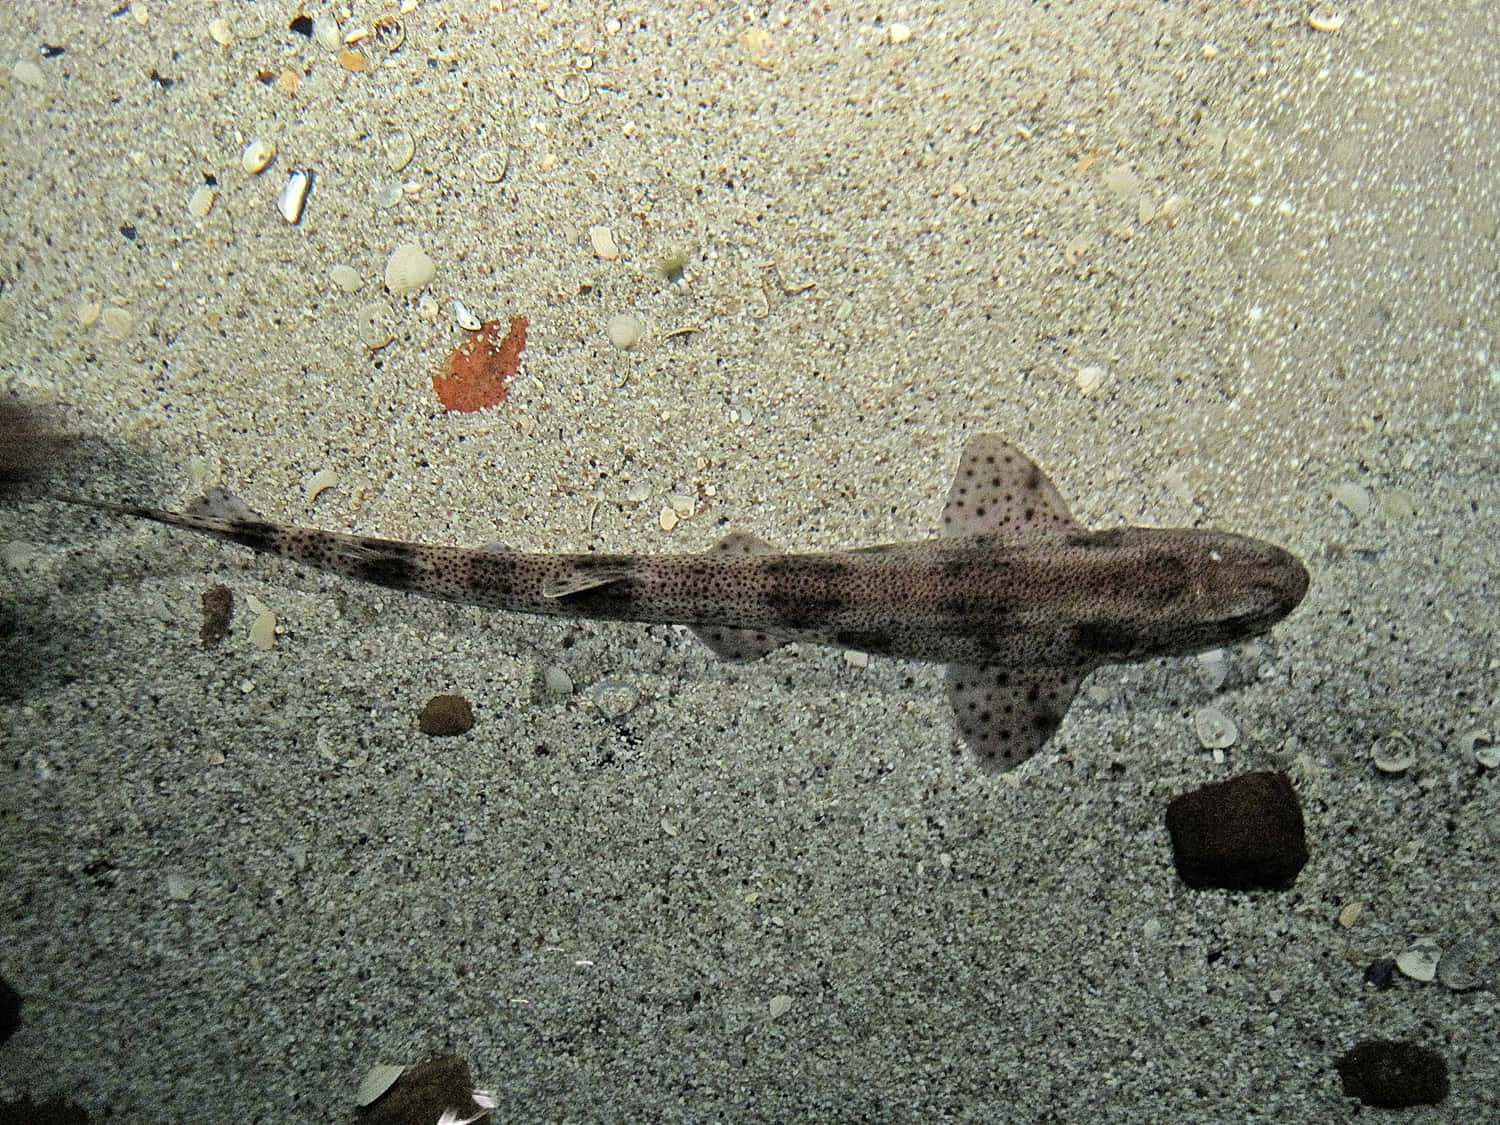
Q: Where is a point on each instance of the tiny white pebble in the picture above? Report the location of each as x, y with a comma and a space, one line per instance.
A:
1420, 962
346, 278
603, 242
900, 32
624, 330
1216, 730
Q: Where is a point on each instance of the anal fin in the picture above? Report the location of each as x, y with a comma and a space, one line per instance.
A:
1006, 715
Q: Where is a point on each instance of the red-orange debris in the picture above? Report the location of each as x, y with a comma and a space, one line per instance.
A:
477, 373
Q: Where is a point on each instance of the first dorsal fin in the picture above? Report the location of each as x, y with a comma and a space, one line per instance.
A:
999, 488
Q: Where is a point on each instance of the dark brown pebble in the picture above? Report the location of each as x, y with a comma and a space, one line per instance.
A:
446, 715
1393, 1074
218, 611
1242, 834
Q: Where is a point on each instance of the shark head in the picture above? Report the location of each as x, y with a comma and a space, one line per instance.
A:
1184, 590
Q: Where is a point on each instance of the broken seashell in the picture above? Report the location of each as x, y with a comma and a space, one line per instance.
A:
293, 196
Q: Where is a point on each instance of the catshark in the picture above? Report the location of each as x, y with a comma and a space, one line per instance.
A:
1018, 600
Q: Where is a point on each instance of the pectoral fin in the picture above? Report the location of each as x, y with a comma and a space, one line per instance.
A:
581, 581
999, 488
1005, 715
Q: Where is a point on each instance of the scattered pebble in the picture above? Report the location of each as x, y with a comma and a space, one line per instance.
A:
624, 330
900, 32
446, 715
28, 73
293, 196
1090, 379
325, 32
346, 278
1355, 499
1350, 914
180, 887
1213, 668
353, 61
388, 193
1216, 730
201, 202
1243, 834
220, 31
117, 322
557, 682
408, 270
779, 1006
1459, 968
603, 242
615, 698
218, 612
257, 156
1391, 1074
1381, 973
1420, 962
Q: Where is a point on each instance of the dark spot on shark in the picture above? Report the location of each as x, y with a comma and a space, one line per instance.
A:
255, 534
390, 567
1105, 638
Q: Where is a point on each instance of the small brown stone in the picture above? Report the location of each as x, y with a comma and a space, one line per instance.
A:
218, 612
1392, 1074
1242, 834
446, 715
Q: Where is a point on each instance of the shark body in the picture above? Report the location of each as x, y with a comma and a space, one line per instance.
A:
1017, 599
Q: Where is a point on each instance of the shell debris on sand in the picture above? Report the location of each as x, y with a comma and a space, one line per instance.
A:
293, 196
408, 270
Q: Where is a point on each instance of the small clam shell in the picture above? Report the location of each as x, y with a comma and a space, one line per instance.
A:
293, 196
1393, 754
466, 320
408, 270
257, 156
377, 1080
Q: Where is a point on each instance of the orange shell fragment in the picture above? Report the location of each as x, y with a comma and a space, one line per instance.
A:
477, 374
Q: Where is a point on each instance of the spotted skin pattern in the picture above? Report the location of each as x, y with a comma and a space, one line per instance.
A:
1018, 600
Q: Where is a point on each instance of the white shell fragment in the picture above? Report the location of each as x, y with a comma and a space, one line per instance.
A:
624, 330
257, 156
347, 278
615, 698
408, 270
320, 482
293, 196
1215, 730
1324, 20
1355, 499
1460, 967
603, 242
779, 1006
1393, 754
201, 201
466, 320
1481, 744
557, 681
1420, 962
377, 1080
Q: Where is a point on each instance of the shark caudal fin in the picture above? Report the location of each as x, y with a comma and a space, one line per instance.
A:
739, 645
1005, 714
